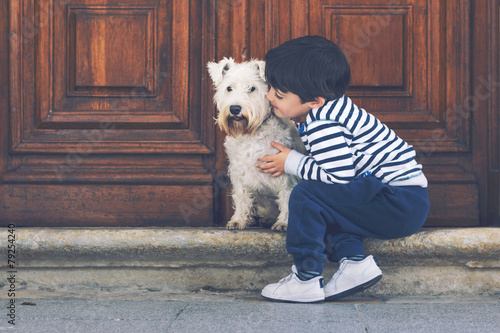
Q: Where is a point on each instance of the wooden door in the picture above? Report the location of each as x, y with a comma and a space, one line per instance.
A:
106, 112
108, 120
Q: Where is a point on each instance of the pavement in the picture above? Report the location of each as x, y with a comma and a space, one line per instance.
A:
208, 311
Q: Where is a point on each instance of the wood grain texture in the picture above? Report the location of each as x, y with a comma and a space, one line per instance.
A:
106, 205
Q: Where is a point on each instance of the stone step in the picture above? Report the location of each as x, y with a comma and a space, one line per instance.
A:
455, 262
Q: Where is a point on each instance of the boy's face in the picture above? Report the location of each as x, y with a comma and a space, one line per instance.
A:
289, 105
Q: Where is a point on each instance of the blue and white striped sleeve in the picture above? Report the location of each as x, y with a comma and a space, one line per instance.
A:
330, 159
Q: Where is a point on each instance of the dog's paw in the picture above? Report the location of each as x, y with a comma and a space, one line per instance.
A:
279, 226
235, 225
267, 222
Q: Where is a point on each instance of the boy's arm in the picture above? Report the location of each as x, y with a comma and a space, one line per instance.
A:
331, 160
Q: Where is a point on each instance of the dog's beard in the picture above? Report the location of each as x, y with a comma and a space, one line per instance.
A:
237, 126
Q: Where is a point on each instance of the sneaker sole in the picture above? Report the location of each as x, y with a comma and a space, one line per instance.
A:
314, 300
354, 290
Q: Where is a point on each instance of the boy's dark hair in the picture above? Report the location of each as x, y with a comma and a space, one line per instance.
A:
309, 67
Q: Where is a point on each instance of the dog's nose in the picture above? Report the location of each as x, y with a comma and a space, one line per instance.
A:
235, 110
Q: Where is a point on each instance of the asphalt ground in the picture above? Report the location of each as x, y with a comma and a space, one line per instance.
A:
209, 311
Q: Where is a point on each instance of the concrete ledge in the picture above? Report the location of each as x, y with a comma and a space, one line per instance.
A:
431, 262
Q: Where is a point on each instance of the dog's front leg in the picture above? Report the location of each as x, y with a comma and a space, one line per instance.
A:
243, 207
282, 201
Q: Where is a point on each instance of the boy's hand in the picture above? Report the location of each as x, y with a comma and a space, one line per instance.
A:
274, 164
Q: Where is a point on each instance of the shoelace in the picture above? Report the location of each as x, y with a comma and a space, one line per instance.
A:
339, 271
286, 278
289, 277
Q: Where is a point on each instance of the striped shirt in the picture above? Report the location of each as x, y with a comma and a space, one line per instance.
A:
345, 142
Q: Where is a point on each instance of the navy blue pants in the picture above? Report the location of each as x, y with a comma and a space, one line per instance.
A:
330, 220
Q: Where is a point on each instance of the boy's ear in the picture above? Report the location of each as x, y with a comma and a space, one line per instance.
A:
217, 70
317, 103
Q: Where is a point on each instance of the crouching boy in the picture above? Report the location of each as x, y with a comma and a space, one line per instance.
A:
360, 178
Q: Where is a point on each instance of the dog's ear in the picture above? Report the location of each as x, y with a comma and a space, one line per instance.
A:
217, 70
261, 68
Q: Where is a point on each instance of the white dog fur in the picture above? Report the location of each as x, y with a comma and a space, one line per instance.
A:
245, 115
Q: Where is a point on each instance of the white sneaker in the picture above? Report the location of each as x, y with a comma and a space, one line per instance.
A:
293, 289
352, 277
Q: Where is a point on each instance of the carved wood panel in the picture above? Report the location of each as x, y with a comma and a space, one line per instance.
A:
120, 68
402, 59
111, 95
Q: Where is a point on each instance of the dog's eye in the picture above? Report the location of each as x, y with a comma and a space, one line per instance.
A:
252, 89
229, 89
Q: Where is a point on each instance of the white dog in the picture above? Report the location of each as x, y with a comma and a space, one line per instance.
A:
246, 116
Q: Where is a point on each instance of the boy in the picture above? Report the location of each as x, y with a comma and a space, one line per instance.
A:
360, 179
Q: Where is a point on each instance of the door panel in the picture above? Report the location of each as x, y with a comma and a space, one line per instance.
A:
121, 70
106, 205
110, 95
